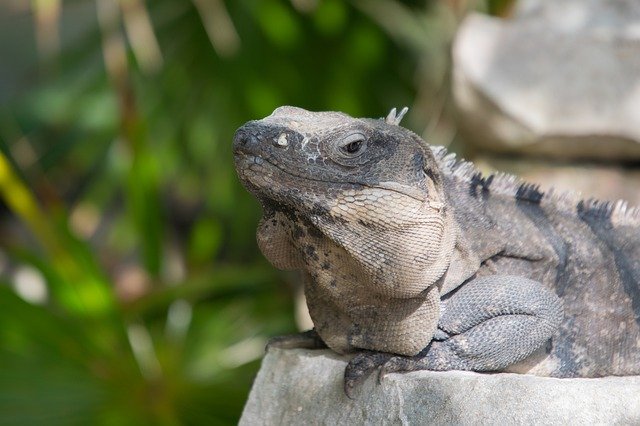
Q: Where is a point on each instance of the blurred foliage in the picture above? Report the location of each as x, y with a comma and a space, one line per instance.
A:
132, 291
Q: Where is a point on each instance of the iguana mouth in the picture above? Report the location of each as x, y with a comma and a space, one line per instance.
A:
251, 159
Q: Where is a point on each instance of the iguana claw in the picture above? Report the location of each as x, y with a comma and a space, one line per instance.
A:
360, 367
395, 364
400, 364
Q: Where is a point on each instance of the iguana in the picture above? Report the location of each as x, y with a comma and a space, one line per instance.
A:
415, 260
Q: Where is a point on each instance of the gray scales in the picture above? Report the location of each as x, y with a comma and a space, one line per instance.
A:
413, 260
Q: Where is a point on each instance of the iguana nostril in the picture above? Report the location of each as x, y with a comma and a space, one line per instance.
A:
245, 139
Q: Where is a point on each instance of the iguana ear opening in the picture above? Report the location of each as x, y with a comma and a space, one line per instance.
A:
393, 118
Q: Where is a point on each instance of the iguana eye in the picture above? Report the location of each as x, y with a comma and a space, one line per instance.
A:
353, 144
353, 147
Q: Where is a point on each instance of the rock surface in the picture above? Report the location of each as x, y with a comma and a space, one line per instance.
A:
560, 78
305, 387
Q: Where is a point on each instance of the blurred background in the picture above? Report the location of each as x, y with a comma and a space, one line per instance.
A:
131, 287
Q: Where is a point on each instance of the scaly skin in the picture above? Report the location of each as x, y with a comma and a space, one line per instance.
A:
414, 260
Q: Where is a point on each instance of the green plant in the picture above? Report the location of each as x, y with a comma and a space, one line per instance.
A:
121, 203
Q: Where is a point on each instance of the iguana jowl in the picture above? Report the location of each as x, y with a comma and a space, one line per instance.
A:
415, 260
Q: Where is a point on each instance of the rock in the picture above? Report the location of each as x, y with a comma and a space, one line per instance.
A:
305, 387
559, 79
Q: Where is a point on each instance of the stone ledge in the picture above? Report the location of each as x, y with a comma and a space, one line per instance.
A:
305, 387
561, 84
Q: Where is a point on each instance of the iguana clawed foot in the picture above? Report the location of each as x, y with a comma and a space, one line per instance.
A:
365, 363
400, 364
361, 366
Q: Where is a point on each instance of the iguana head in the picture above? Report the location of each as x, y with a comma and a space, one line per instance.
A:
359, 205
300, 158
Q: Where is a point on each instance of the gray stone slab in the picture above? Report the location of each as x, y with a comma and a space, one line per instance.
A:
305, 387
561, 78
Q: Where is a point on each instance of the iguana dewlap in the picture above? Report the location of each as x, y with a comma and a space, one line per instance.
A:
417, 261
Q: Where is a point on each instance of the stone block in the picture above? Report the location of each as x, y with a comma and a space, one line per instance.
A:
305, 387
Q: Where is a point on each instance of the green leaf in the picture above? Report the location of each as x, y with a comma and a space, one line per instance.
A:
279, 24
331, 16
47, 359
205, 240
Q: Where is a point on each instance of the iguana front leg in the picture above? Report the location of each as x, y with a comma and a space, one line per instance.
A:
486, 325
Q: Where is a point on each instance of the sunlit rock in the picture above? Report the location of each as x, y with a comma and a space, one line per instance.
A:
559, 78
305, 387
